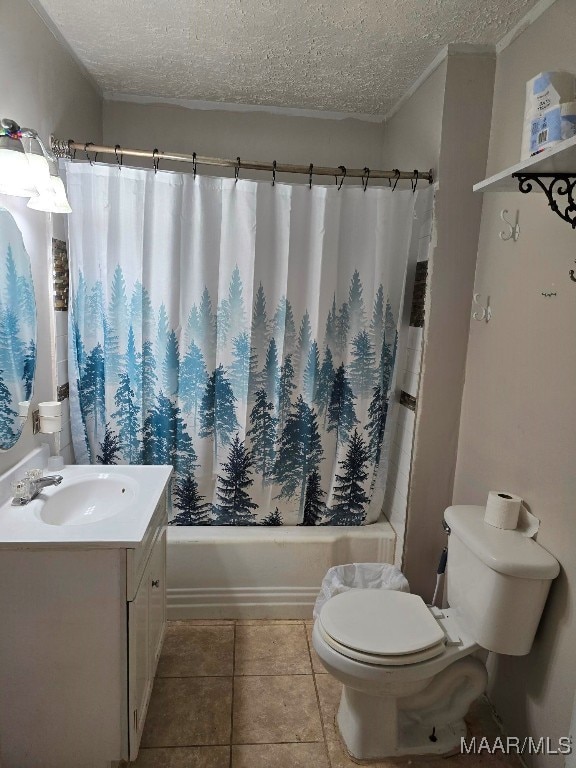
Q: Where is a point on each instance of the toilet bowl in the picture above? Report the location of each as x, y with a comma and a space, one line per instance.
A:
407, 671
410, 672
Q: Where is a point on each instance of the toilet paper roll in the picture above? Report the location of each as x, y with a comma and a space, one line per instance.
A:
50, 408
502, 510
23, 407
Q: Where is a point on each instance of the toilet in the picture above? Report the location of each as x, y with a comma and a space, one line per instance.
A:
409, 671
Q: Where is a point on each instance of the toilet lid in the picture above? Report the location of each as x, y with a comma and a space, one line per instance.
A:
381, 622
401, 660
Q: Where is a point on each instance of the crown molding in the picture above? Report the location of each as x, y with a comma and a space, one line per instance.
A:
453, 49
526, 21
232, 107
533, 15
61, 40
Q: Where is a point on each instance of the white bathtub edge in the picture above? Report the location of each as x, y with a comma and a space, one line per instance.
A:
259, 572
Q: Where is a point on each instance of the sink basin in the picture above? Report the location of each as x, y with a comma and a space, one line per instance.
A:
94, 506
87, 498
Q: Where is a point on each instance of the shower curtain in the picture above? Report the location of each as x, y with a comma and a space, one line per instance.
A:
243, 332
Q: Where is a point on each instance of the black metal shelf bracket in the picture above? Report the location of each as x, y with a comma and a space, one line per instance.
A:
559, 189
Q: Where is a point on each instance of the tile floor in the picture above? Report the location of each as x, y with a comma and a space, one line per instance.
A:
252, 694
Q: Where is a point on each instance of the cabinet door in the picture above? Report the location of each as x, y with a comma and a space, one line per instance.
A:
146, 621
139, 680
157, 602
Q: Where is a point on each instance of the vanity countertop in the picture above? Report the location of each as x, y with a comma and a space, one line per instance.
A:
93, 507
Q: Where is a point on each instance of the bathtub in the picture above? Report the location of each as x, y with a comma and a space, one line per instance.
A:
219, 572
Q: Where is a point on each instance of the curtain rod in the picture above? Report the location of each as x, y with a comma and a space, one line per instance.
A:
69, 148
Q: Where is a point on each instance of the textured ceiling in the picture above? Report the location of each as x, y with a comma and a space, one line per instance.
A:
355, 56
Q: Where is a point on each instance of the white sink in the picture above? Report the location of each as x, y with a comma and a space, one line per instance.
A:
88, 499
94, 506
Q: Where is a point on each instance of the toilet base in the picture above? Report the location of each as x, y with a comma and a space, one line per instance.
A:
415, 740
392, 711
372, 728
417, 752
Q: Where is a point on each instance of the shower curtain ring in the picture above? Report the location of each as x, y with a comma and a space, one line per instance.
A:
155, 160
397, 172
194, 164
366, 179
343, 169
88, 144
415, 182
274, 173
237, 169
119, 160
310, 175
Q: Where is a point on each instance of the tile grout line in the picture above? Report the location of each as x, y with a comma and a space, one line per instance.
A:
309, 644
239, 674
234, 625
233, 744
183, 746
190, 677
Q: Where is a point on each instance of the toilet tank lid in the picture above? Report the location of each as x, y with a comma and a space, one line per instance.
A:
506, 552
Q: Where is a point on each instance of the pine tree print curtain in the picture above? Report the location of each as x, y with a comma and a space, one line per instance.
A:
242, 332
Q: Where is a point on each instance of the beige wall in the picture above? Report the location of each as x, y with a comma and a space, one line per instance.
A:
43, 88
413, 134
518, 425
250, 135
444, 125
411, 139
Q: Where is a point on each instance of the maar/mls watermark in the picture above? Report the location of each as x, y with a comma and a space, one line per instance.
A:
510, 745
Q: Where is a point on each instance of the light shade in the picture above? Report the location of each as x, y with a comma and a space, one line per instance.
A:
51, 197
15, 171
52, 200
38, 163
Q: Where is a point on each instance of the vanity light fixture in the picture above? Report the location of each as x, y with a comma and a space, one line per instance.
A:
29, 169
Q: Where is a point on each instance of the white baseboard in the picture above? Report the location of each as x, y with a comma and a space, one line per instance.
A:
241, 603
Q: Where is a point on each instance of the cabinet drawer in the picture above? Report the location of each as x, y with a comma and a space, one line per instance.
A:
137, 558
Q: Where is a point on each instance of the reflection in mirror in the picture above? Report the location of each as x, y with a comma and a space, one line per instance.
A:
17, 331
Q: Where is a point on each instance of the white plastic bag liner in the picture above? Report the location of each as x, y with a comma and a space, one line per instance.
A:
342, 578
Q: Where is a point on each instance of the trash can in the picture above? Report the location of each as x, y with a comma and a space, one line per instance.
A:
342, 578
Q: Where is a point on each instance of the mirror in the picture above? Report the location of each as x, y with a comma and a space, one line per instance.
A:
17, 331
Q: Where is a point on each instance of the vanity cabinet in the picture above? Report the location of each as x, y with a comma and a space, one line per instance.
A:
81, 630
146, 621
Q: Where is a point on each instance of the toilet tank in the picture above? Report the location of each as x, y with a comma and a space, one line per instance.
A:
497, 581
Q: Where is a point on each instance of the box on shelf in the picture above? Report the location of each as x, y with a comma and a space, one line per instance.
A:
550, 112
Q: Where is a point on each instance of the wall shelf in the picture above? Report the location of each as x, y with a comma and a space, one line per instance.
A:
548, 172
559, 160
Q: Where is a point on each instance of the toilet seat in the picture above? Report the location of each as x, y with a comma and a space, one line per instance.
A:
382, 627
380, 660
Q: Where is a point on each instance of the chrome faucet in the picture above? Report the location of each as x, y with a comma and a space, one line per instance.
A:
29, 487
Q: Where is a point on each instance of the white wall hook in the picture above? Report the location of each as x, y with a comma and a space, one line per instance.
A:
514, 232
483, 313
